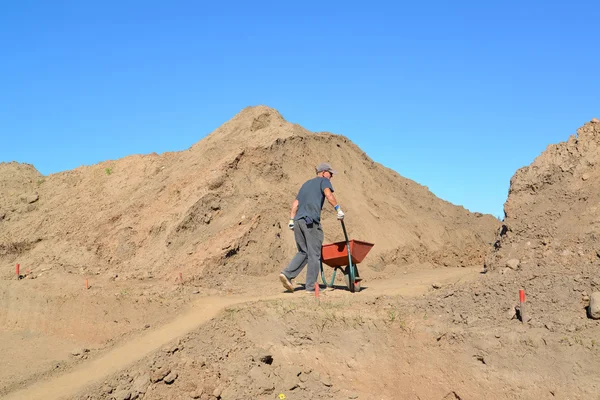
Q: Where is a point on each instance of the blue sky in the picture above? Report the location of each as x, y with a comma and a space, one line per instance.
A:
455, 95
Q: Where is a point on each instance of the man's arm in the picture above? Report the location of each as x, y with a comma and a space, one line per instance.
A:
293, 212
294, 209
331, 199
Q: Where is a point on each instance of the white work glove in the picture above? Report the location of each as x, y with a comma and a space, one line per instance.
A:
291, 224
340, 213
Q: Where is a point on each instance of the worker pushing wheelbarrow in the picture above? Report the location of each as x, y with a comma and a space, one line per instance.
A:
305, 221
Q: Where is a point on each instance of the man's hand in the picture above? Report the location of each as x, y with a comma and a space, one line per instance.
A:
291, 224
340, 213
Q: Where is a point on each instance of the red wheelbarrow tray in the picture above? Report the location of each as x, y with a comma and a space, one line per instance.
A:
336, 254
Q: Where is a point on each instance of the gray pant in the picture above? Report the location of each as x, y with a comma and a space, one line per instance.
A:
309, 240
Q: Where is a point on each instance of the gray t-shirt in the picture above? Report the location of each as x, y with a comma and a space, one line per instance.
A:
311, 198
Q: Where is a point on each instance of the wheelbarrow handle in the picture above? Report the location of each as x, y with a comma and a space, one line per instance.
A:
345, 234
351, 273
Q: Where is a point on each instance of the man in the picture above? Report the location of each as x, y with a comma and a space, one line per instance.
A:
305, 221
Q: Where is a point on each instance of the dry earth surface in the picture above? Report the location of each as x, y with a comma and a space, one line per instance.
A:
181, 252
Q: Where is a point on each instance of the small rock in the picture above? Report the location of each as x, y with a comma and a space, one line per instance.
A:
595, 120
32, 198
217, 392
585, 177
511, 313
122, 395
169, 379
188, 386
140, 384
326, 381
513, 264
436, 286
594, 307
196, 394
353, 396
159, 374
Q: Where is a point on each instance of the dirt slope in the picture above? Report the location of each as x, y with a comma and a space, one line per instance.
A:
103, 366
548, 245
552, 211
217, 211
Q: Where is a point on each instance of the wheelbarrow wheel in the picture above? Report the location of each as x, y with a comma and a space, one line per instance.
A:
350, 279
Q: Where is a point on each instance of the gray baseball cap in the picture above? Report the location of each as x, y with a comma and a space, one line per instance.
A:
325, 167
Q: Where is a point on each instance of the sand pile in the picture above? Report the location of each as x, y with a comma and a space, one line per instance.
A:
552, 211
548, 246
217, 211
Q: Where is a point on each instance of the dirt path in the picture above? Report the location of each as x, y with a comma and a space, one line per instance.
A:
72, 382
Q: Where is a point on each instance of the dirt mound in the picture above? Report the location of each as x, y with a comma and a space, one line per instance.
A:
552, 212
216, 212
548, 245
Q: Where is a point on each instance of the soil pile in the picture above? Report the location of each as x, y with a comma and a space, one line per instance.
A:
552, 211
217, 212
548, 246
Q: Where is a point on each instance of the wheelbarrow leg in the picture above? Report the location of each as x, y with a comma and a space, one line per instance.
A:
333, 277
329, 285
323, 274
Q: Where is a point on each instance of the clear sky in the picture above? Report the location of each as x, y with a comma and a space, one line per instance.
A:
456, 95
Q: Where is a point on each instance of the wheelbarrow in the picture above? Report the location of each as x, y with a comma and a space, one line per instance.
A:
347, 255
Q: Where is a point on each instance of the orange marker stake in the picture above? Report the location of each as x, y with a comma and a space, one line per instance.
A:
181, 278
18, 271
86, 284
317, 290
522, 305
